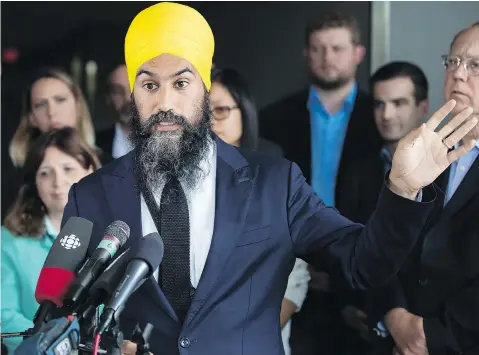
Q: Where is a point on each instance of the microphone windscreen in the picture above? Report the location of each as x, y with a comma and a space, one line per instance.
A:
150, 249
119, 230
112, 275
65, 257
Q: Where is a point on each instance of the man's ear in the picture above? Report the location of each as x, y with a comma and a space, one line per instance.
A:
359, 53
424, 108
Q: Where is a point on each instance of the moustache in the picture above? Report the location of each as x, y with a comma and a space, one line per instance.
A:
162, 116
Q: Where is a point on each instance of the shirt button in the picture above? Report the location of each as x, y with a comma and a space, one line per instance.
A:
185, 342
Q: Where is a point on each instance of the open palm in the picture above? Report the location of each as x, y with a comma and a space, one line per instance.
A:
424, 154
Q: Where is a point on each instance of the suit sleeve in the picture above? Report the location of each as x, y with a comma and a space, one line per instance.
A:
348, 196
382, 300
71, 208
357, 256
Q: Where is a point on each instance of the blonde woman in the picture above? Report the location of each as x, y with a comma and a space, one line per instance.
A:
52, 101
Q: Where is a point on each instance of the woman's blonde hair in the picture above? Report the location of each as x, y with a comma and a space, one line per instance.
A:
26, 132
25, 218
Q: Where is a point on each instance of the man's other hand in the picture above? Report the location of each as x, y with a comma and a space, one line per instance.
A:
407, 331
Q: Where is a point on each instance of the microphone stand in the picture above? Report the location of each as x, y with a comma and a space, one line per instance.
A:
114, 336
88, 323
142, 339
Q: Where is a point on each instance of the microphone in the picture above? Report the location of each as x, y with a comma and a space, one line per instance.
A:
65, 257
146, 257
105, 285
58, 336
116, 235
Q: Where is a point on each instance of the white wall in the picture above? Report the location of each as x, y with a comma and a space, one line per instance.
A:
419, 32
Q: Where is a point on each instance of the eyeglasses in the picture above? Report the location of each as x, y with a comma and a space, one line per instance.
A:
222, 112
451, 63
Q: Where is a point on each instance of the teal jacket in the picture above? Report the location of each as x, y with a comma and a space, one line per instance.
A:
22, 259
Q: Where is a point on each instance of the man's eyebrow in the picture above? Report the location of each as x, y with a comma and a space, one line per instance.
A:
182, 71
147, 72
178, 73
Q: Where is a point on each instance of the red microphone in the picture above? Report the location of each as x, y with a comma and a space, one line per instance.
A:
59, 270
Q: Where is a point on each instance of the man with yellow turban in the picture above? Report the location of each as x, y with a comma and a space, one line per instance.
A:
232, 220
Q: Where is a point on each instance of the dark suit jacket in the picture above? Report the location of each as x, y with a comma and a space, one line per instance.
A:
287, 123
440, 278
104, 139
265, 216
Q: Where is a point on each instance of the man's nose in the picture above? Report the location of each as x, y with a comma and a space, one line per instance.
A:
164, 99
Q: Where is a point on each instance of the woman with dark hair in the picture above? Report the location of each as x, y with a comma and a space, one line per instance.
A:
54, 162
235, 120
235, 116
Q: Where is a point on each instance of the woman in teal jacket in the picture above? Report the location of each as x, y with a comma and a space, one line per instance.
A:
55, 162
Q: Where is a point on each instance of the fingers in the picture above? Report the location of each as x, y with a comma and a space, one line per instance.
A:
410, 139
460, 132
455, 154
454, 123
440, 114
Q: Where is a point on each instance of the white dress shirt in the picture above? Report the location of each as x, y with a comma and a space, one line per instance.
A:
201, 207
296, 293
121, 144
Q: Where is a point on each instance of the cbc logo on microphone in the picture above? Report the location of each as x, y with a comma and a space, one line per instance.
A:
70, 242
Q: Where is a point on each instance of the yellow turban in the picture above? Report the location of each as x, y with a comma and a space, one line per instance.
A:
174, 29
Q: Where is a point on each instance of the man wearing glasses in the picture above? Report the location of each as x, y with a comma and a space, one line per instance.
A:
432, 306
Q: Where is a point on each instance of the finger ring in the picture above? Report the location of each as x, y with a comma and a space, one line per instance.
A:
444, 142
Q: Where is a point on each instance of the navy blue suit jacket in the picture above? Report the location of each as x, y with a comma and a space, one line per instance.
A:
266, 216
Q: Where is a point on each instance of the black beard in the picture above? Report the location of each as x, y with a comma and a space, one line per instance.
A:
160, 156
329, 85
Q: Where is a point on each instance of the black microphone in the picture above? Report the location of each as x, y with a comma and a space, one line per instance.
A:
116, 235
65, 257
105, 285
146, 257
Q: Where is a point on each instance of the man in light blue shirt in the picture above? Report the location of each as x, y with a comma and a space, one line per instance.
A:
322, 128
432, 307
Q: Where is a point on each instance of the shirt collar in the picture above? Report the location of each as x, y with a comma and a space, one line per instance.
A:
50, 230
119, 132
386, 155
348, 103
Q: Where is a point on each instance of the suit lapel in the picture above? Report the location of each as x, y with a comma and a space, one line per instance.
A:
125, 205
235, 181
123, 197
467, 188
437, 242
